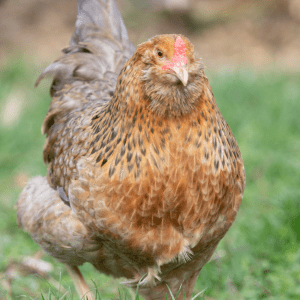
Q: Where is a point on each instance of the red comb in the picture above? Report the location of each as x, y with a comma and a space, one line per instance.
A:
179, 57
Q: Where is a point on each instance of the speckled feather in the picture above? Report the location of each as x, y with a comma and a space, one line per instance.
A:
151, 170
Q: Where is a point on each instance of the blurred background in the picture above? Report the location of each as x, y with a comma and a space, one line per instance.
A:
251, 51
226, 33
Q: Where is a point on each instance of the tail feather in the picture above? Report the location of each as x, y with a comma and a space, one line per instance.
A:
99, 45
102, 13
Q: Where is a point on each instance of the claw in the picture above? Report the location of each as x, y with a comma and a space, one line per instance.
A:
149, 280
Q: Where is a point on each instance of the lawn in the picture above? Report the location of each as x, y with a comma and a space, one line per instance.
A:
259, 258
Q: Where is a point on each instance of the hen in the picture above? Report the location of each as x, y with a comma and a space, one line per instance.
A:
144, 174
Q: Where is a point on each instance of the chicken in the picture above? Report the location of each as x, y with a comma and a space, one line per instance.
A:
144, 175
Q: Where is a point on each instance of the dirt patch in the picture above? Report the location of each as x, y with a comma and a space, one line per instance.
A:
226, 33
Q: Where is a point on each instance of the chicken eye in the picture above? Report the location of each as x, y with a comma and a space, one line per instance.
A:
160, 54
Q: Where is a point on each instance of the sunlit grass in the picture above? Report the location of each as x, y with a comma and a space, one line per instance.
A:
259, 258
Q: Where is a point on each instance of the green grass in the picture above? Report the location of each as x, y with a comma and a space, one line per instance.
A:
259, 258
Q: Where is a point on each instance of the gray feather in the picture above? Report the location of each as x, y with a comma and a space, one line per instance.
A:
105, 14
99, 45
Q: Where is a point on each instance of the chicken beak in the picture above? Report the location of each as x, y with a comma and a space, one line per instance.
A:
181, 73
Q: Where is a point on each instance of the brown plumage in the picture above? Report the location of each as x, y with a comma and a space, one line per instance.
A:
144, 174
